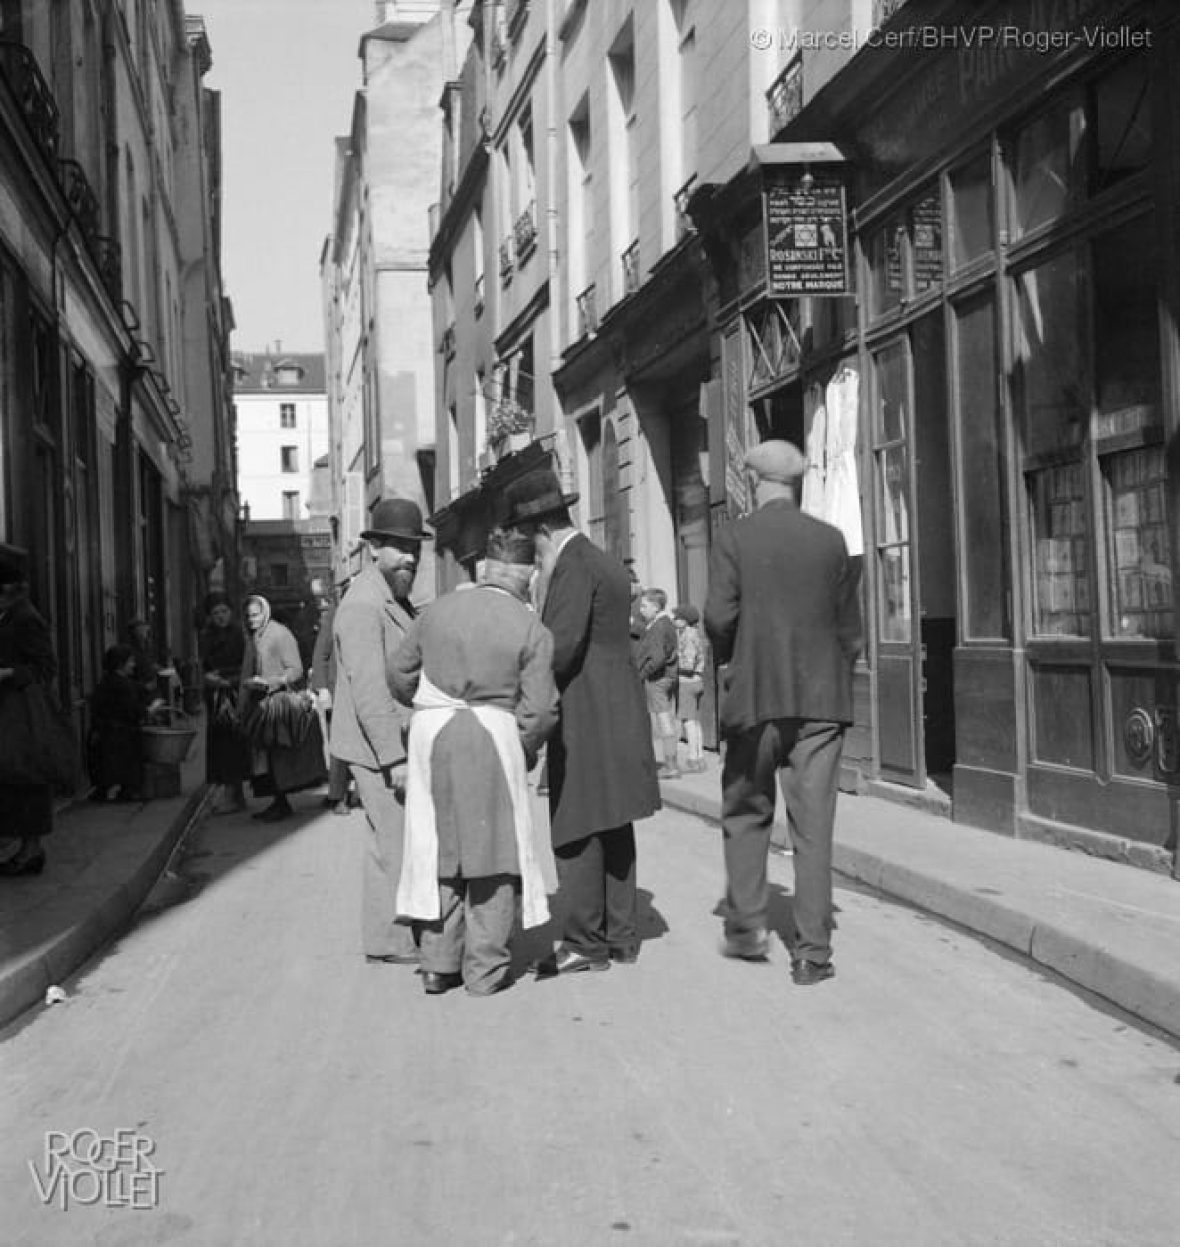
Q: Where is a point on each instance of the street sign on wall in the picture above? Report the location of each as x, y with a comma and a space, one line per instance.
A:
806, 230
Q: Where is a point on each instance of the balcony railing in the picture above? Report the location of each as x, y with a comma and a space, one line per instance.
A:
524, 233
506, 260
630, 260
680, 198
784, 98
479, 304
588, 312
109, 256
81, 197
26, 82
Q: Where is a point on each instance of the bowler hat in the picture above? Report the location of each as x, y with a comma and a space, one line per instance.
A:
396, 517
535, 495
777, 460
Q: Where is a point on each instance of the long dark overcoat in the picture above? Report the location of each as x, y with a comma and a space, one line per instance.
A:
602, 771
783, 611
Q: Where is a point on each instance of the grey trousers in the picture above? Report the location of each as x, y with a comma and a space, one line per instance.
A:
381, 933
478, 917
805, 755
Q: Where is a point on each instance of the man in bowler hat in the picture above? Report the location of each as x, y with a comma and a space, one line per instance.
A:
368, 724
602, 771
784, 613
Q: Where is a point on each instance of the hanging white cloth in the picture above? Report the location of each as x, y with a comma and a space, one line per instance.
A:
417, 892
813, 499
840, 486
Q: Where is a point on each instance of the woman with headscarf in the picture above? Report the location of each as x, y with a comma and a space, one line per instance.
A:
271, 665
26, 659
223, 651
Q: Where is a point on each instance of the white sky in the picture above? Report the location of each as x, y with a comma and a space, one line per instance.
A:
287, 71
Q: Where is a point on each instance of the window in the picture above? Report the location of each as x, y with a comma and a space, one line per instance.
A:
289, 458
290, 504
286, 415
971, 211
1045, 170
1122, 124
893, 508
280, 575
885, 272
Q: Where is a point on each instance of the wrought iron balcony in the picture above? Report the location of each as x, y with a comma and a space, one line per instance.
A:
680, 198
630, 260
506, 260
20, 70
109, 256
524, 233
784, 98
588, 311
81, 197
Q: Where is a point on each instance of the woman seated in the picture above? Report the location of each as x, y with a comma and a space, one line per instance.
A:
119, 706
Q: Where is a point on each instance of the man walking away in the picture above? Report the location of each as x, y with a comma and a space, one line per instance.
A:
784, 613
478, 668
368, 724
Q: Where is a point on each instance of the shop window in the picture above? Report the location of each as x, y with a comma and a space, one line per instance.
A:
925, 226
1126, 328
1045, 169
1049, 380
892, 494
1061, 592
971, 211
1140, 551
885, 268
1122, 124
984, 528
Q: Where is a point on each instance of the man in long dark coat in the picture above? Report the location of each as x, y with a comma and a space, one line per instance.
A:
602, 771
368, 724
783, 611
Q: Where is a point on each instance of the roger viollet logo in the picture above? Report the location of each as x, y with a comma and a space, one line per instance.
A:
84, 1168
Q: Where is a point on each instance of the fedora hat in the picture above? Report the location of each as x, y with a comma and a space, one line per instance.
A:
396, 517
533, 496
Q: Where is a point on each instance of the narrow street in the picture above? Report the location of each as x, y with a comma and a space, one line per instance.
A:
937, 1092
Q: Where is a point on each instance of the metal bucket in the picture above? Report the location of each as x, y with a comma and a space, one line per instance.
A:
168, 746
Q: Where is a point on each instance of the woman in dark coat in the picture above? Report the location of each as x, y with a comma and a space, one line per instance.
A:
118, 707
26, 657
227, 752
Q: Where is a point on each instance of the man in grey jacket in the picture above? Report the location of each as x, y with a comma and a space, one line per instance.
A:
368, 725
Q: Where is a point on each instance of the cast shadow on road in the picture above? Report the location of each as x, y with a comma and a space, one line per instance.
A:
535, 947
780, 915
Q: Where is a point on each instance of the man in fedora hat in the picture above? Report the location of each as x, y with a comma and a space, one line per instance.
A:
368, 724
784, 613
602, 771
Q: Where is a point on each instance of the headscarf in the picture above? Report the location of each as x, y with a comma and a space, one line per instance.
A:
257, 597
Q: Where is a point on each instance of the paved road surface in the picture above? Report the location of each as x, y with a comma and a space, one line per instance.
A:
936, 1092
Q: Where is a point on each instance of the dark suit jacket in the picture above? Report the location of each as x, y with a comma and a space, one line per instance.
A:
783, 611
368, 724
602, 771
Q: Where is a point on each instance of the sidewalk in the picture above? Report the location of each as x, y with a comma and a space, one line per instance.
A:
1111, 929
1108, 928
102, 861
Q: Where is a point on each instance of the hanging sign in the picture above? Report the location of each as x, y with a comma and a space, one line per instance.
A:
806, 231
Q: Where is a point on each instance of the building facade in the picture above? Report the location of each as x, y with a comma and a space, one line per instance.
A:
282, 419
116, 435
380, 356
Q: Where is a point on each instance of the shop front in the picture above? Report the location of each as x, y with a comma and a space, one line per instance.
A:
1016, 343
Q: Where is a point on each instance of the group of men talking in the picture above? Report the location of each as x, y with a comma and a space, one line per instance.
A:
441, 713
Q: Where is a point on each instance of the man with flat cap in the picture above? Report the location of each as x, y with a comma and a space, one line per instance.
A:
783, 612
602, 770
368, 724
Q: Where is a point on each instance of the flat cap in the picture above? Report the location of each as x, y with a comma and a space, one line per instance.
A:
776, 461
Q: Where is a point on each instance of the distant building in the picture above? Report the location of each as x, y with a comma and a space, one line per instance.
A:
374, 273
282, 430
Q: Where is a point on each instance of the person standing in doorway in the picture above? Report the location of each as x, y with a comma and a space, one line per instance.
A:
369, 726
602, 771
657, 659
783, 613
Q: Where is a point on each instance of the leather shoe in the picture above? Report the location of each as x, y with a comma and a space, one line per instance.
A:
808, 973
435, 983
396, 959
273, 814
571, 962
752, 947
624, 955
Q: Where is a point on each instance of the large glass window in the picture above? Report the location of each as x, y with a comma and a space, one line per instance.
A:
893, 508
1140, 551
1122, 124
885, 268
925, 222
971, 211
1046, 169
984, 527
1050, 379
1061, 569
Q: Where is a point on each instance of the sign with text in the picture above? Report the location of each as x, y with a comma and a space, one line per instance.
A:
806, 232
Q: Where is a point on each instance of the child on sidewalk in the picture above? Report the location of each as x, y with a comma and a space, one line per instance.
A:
657, 659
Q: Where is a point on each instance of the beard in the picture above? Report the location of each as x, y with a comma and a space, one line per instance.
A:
401, 582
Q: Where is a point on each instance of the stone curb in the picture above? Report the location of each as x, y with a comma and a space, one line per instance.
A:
1082, 962
24, 980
